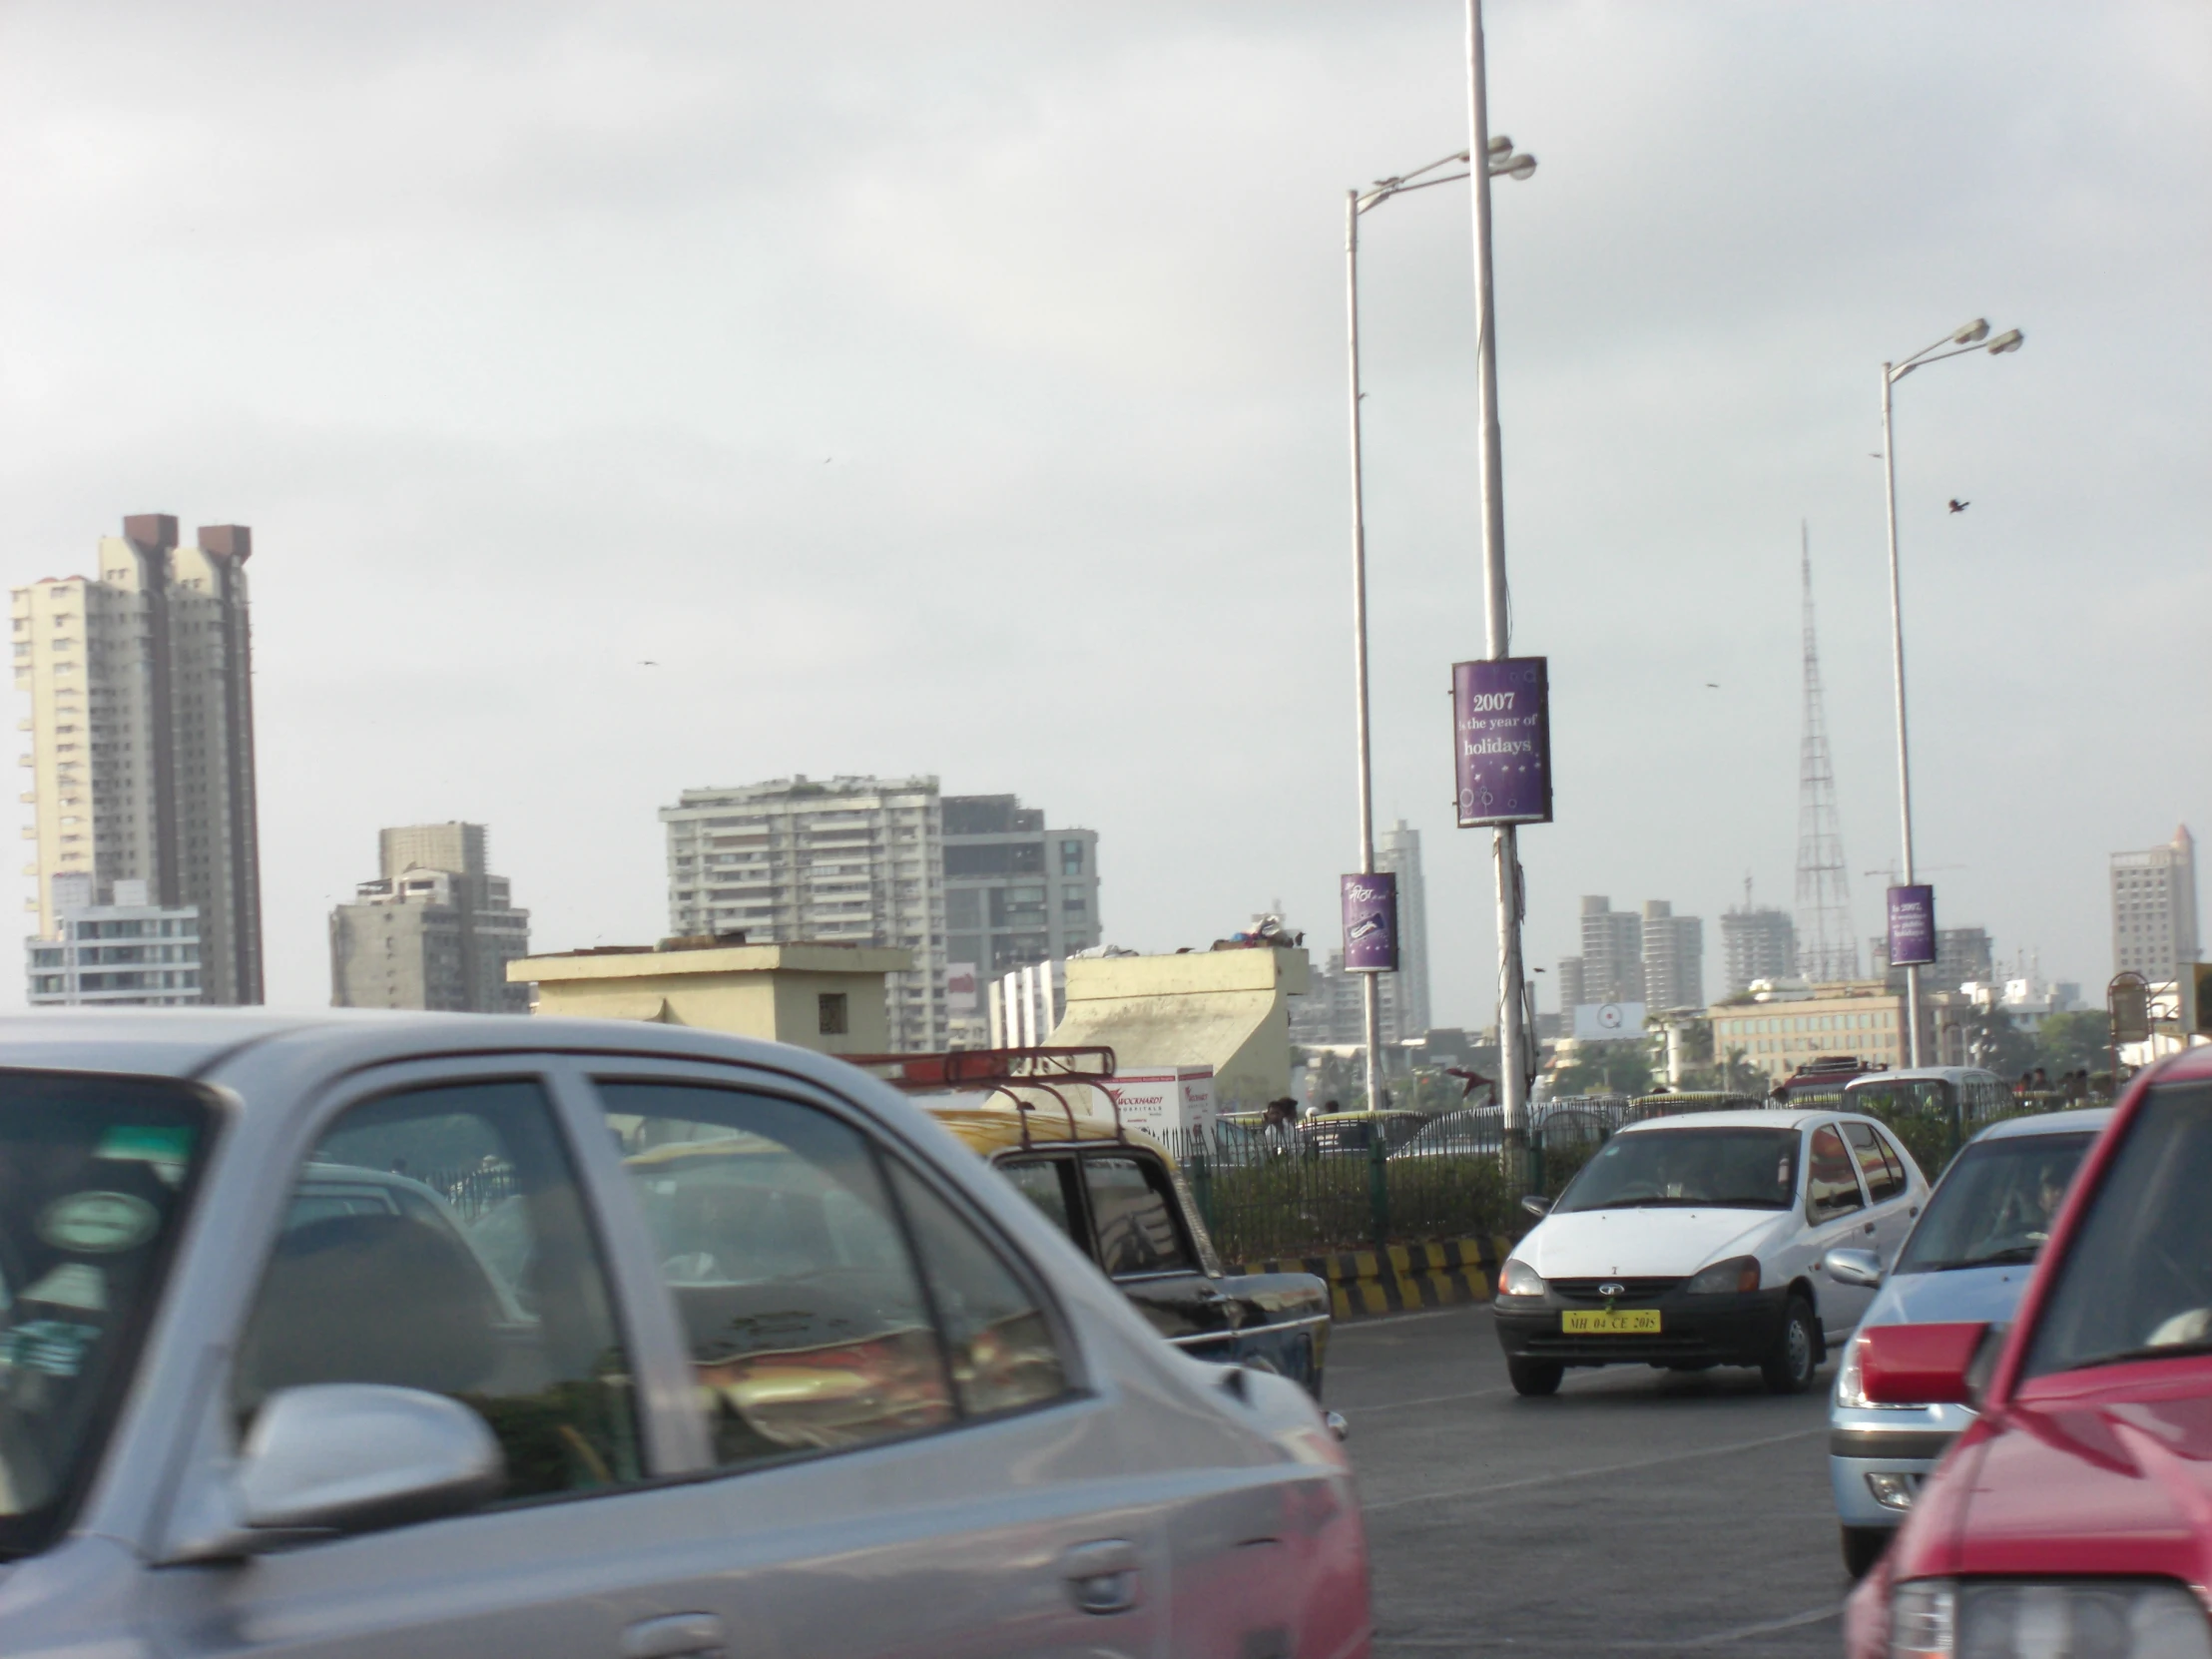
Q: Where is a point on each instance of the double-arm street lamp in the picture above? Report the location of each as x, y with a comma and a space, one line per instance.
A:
1502, 162
1975, 336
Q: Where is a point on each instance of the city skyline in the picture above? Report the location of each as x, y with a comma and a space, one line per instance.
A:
556, 568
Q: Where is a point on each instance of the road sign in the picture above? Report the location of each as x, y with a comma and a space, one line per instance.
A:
2128, 999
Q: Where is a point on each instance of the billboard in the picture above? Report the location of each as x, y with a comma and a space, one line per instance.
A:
1501, 741
960, 993
1163, 1099
1911, 926
1600, 1022
1370, 923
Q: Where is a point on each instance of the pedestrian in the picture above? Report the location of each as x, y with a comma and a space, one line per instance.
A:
2043, 1081
2026, 1082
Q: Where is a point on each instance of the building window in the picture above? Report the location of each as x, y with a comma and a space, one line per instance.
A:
833, 1014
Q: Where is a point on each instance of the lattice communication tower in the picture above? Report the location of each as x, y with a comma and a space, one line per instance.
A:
1827, 945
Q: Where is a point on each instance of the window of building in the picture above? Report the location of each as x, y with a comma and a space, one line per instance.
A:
833, 1014
1071, 857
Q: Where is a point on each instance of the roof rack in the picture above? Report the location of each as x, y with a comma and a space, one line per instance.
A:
997, 1070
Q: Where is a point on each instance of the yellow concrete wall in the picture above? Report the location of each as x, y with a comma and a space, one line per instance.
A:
1222, 1009
767, 992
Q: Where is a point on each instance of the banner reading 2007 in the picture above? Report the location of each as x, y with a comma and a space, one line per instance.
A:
1501, 741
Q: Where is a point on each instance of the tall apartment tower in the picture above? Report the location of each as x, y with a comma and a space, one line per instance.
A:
1756, 943
852, 860
1674, 957
141, 737
436, 929
2154, 909
1612, 954
1015, 892
1399, 851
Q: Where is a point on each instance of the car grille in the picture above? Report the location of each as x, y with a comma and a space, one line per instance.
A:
1633, 1290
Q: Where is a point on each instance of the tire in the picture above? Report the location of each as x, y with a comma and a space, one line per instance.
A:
1788, 1368
1863, 1547
1535, 1377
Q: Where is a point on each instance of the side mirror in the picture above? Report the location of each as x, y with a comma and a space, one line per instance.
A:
1918, 1364
1853, 1267
1537, 1205
339, 1457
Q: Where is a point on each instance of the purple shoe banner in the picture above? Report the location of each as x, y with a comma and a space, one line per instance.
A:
1911, 926
1501, 741
1370, 924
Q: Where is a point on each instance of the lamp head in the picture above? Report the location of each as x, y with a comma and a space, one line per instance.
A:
1972, 333
1501, 146
2010, 340
1523, 167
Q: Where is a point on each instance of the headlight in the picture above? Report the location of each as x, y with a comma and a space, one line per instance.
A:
1520, 1279
1738, 1273
1851, 1381
2110, 1618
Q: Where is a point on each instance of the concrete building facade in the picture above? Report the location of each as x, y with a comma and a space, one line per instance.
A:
1963, 955
1017, 892
1612, 954
850, 860
1862, 1018
2154, 910
436, 929
1756, 944
141, 737
1673, 957
128, 953
1397, 849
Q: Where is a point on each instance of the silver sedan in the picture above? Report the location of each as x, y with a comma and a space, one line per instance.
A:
385, 1335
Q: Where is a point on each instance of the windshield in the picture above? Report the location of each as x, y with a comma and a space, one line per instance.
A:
2137, 1282
1905, 1096
1717, 1169
94, 1174
1995, 1205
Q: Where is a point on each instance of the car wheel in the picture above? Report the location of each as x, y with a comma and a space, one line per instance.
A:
1863, 1547
1535, 1377
1788, 1368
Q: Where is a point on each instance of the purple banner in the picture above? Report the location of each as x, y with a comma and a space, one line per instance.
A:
1911, 926
1501, 741
1370, 924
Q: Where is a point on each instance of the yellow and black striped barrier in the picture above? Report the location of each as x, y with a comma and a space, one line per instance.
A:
1400, 1277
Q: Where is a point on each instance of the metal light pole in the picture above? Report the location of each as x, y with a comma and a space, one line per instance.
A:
1961, 341
1512, 1039
1356, 203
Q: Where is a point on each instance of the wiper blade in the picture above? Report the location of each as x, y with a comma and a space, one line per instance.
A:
1995, 1259
2151, 1350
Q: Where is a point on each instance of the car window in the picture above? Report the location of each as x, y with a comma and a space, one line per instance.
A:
96, 1175
1133, 1208
807, 1324
1996, 1204
2136, 1279
1049, 1184
1885, 1178
1722, 1168
378, 1277
996, 1337
1830, 1188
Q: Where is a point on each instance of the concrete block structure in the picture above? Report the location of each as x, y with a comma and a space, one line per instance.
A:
1227, 1009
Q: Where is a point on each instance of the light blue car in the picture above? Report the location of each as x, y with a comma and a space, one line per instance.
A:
1965, 1260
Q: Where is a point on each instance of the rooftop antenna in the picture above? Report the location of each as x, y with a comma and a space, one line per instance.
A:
1828, 947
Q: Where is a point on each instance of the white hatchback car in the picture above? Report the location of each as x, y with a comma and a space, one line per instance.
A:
1697, 1241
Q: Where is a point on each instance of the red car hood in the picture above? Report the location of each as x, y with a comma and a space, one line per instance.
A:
2107, 1471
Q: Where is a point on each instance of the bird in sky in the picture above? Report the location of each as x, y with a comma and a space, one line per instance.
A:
1958, 506
1712, 685
647, 662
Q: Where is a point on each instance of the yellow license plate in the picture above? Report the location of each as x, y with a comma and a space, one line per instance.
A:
1625, 1322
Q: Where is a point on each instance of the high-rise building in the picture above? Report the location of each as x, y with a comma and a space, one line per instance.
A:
1963, 955
1612, 954
1399, 851
852, 860
141, 737
1674, 957
1571, 989
2154, 909
436, 929
1334, 1010
128, 953
1015, 892
1756, 944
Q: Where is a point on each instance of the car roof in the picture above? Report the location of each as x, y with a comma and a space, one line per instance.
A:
2081, 1120
1763, 1117
1948, 1074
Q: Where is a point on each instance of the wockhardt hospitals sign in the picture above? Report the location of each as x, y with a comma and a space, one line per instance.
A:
1501, 741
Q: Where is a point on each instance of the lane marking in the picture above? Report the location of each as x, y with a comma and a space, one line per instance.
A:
1560, 1478
1428, 1399
1629, 1644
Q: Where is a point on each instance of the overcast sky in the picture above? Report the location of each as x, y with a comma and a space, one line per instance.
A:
960, 389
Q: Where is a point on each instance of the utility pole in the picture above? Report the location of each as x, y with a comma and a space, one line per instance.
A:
1370, 984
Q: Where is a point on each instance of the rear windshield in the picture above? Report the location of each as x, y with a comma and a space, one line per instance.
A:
93, 1177
2137, 1282
1714, 1169
1995, 1205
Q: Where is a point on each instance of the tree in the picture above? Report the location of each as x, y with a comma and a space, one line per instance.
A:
2073, 1042
1604, 1068
1992, 1040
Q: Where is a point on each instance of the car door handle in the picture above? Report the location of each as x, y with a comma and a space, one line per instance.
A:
677, 1636
1102, 1575
1869, 1227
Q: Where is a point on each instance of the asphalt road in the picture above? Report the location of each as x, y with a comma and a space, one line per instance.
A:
1635, 1511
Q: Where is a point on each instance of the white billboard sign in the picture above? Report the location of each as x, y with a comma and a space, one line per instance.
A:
1597, 1022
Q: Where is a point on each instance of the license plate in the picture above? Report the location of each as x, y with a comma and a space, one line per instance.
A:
1624, 1322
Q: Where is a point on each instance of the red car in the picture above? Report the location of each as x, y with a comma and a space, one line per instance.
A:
2074, 1517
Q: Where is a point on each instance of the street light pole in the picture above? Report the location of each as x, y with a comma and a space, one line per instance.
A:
1961, 341
1512, 1038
